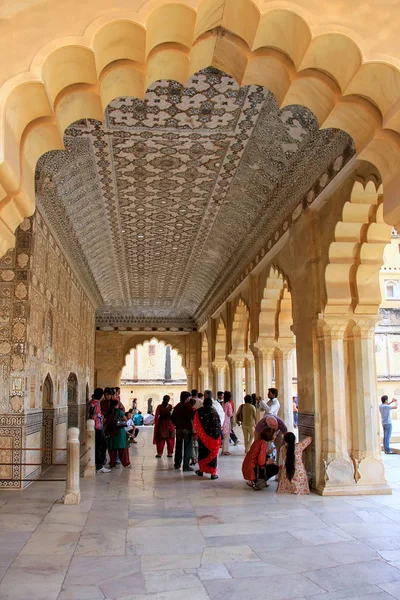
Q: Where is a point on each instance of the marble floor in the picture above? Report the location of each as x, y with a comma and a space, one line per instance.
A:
153, 533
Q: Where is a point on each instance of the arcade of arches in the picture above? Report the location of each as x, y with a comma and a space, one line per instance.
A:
221, 174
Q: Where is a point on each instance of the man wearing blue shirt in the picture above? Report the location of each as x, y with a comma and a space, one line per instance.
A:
386, 416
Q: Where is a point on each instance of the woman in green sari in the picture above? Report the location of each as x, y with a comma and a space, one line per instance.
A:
118, 441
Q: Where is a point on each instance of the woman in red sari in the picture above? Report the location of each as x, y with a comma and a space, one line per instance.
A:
207, 426
164, 430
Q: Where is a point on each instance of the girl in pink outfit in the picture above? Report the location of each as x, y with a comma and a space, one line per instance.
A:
226, 425
293, 475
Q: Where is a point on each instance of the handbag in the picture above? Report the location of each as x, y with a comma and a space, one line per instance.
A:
121, 423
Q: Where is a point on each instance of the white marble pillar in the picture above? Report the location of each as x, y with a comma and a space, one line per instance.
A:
219, 370
334, 420
365, 446
72, 491
204, 380
236, 364
283, 376
264, 357
250, 376
90, 462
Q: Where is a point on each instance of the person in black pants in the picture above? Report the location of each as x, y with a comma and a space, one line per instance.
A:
182, 418
95, 413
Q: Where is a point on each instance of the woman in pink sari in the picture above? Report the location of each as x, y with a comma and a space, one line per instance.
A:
164, 430
226, 425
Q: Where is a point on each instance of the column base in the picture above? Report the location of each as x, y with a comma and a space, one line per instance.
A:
362, 474
72, 498
355, 490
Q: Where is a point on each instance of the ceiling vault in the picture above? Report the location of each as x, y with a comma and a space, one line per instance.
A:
164, 206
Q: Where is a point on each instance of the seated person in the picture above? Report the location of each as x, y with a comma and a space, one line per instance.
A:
138, 419
259, 465
131, 431
148, 419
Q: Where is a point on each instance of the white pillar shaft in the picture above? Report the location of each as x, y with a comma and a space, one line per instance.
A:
333, 393
364, 403
90, 463
250, 378
237, 383
284, 386
72, 491
220, 379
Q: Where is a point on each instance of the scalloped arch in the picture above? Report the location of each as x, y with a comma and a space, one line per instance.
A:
275, 318
76, 77
356, 255
240, 329
134, 342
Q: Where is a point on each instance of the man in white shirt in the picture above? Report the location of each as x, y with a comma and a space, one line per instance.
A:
386, 416
272, 403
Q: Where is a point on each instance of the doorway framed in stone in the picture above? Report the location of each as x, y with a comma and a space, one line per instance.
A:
48, 421
72, 401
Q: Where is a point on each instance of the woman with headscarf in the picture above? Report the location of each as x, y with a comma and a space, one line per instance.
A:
118, 441
164, 430
208, 429
293, 475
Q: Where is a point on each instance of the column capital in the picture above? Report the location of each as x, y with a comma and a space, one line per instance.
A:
265, 348
236, 360
331, 326
219, 366
364, 325
286, 349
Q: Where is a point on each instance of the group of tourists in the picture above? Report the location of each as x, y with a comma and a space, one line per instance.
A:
199, 426
198, 430
115, 429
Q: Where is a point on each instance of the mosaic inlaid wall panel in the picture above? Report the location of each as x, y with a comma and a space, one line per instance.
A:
46, 327
165, 203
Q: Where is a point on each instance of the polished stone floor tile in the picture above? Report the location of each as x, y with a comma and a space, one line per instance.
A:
19, 522
255, 569
163, 581
262, 588
163, 562
51, 544
367, 592
372, 572
81, 592
85, 570
154, 534
164, 540
106, 543
123, 585
228, 554
214, 571
392, 588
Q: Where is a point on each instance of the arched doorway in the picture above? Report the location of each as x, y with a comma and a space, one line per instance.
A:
48, 421
72, 401
152, 369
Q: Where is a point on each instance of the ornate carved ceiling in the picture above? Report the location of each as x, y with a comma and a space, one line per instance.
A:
165, 203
